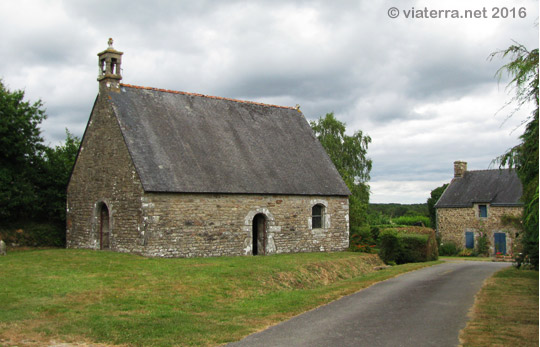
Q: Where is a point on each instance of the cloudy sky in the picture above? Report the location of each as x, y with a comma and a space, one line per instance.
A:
421, 88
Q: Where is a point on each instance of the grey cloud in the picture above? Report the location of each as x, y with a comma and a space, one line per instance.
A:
348, 57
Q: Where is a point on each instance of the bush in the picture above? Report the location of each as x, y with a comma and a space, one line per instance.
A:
449, 248
377, 218
482, 244
389, 246
418, 247
467, 253
375, 231
361, 240
413, 248
413, 221
34, 235
408, 245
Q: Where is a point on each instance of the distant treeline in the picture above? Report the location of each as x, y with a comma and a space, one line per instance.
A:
398, 210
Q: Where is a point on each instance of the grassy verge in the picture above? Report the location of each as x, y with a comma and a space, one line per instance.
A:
105, 297
505, 311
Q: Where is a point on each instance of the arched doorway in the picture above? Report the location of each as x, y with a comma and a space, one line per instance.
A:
259, 234
104, 227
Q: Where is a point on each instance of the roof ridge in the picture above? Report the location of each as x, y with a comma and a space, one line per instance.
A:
487, 170
204, 96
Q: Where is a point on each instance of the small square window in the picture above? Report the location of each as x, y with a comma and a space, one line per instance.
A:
482, 211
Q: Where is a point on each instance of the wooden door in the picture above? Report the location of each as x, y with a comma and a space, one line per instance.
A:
259, 235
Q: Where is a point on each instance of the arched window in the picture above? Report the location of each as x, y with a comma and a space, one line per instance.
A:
317, 216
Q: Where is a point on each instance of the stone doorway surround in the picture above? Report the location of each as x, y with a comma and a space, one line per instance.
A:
270, 229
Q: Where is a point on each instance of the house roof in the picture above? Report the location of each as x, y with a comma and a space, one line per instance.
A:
183, 142
496, 187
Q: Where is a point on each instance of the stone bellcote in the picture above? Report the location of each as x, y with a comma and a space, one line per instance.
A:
110, 72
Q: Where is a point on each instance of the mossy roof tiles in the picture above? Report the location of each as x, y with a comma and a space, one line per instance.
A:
184, 142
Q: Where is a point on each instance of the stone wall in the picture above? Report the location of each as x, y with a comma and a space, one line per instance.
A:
104, 174
452, 223
192, 225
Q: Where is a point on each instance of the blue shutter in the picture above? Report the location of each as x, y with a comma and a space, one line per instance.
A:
469, 239
500, 242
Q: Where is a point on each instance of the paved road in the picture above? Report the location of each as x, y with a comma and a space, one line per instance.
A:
427, 307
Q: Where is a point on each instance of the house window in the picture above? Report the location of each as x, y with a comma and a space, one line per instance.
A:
482, 211
317, 213
469, 239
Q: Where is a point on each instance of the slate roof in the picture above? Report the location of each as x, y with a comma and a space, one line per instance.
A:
496, 187
192, 143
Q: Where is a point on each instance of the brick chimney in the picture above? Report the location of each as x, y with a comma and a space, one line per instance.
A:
459, 168
110, 62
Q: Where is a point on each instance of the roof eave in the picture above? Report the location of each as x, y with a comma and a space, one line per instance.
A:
244, 193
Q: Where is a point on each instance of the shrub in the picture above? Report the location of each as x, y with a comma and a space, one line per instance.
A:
361, 240
449, 248
412, 220
430, 249
375, 231
389, 247
413, 248
418, 247
377, 218
466, 253
408, 245
34, 235
482, 244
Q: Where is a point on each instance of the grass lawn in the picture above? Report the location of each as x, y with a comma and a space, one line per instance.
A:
505, 311
113, 298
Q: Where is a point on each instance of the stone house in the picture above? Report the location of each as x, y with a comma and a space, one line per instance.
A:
474, 202
176, 174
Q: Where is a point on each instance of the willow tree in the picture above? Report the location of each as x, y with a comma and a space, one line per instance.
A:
523, 71
349, 155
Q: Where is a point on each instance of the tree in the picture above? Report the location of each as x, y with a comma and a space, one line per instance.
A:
432, 200
57, 165
33, 177
523, 69
21, 149
348, 153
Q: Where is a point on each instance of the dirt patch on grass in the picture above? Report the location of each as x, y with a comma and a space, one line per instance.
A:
24, 334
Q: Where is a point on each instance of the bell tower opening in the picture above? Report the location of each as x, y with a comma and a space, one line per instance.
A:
110, 68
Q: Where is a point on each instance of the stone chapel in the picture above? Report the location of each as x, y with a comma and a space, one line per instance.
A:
176, 174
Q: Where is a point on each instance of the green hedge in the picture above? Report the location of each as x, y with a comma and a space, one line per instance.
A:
389, 246
403, 245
